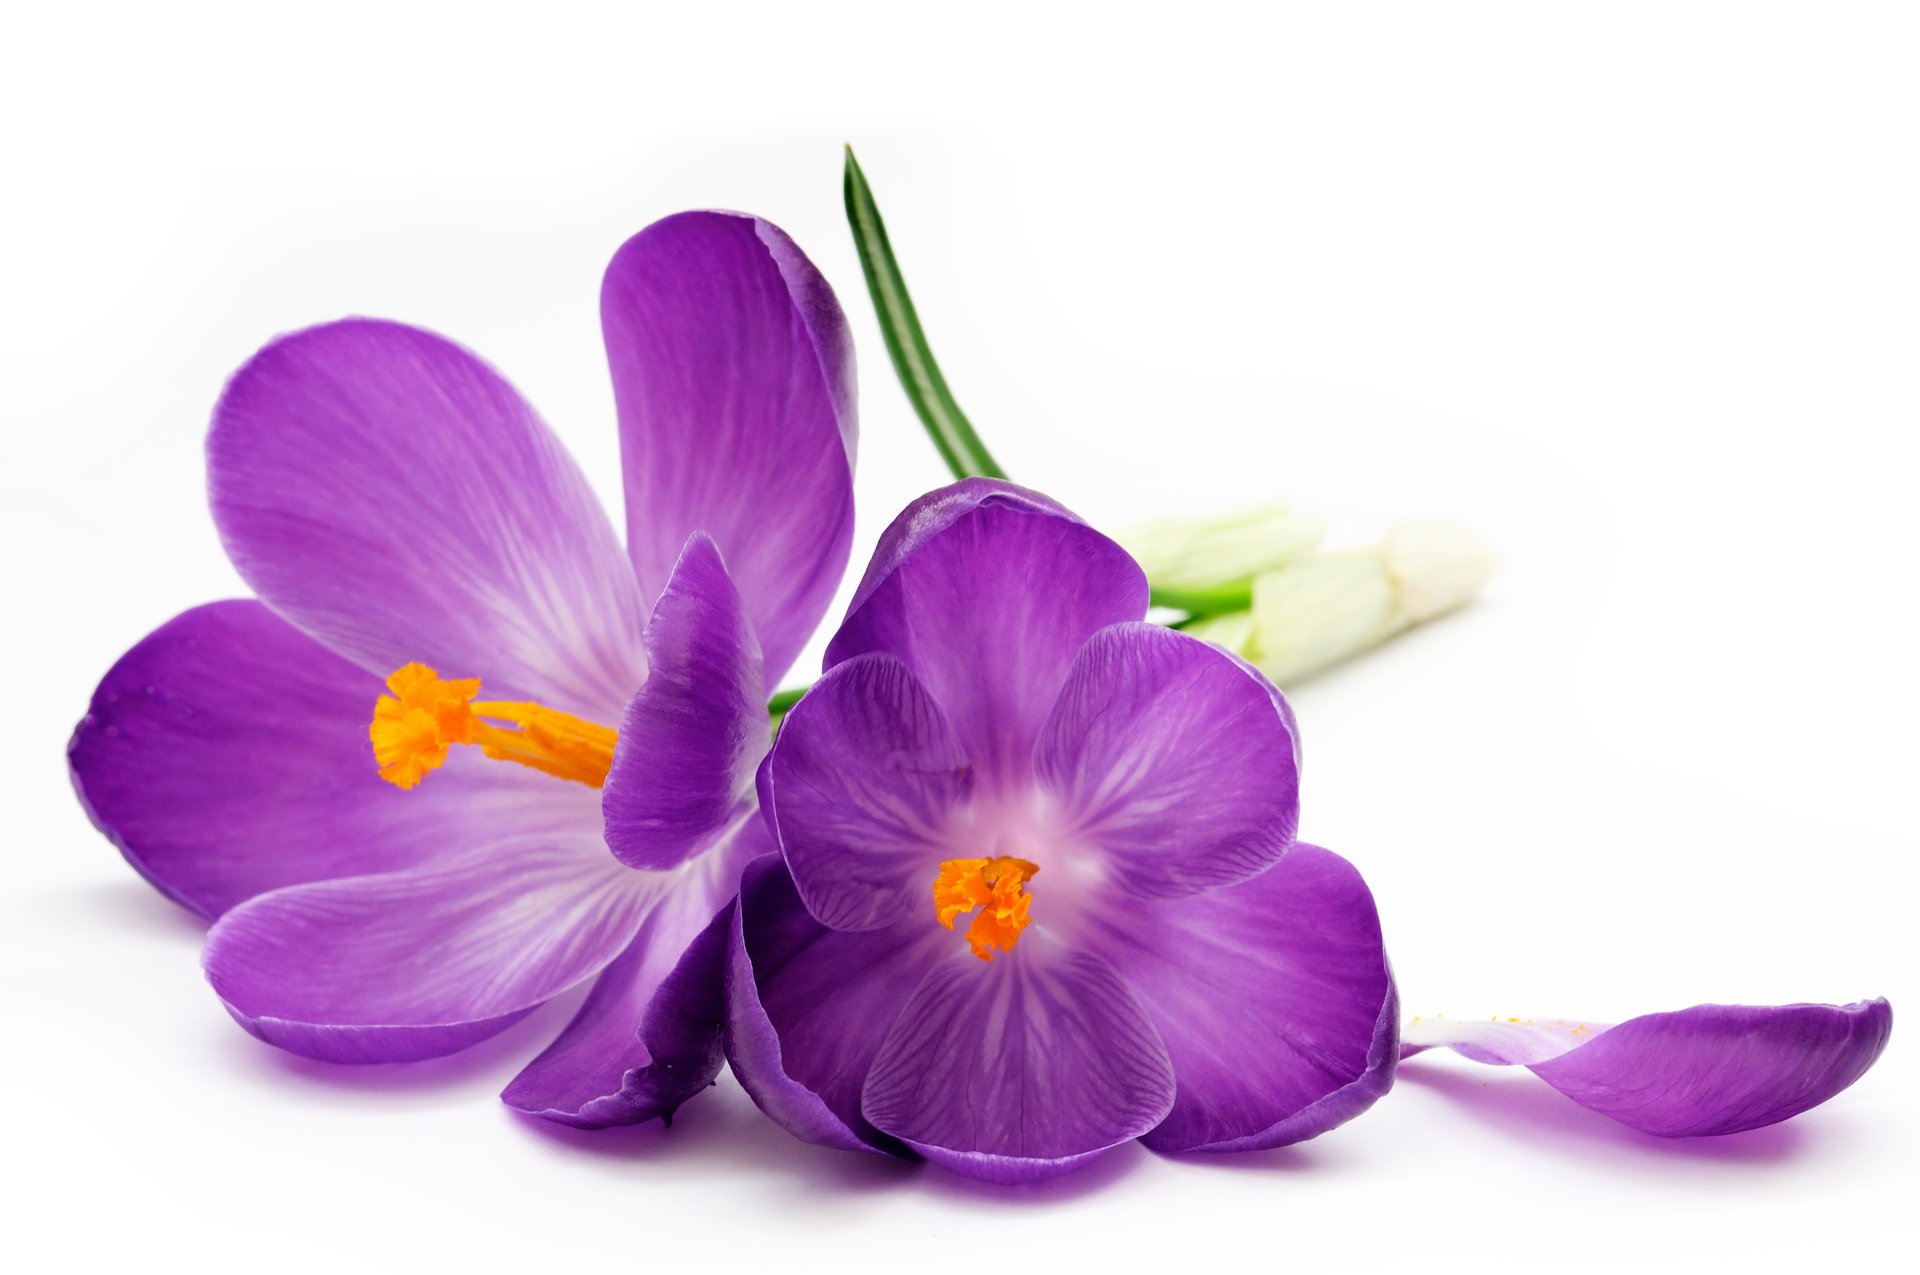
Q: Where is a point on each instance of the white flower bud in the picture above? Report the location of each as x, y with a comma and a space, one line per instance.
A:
1316, 611
1234, 630
1436, 566
1199, 554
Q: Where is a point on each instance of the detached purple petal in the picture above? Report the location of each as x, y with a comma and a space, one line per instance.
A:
1697, 1072
733, 373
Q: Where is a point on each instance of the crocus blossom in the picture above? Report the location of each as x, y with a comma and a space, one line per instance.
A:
1711, 1069
1038, 891
415, 533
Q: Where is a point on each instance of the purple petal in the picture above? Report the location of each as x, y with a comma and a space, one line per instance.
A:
807, 1007
1499, 1042
1274, 999
858, 786
1170, 757
987, 592
390, 494
1280, 704
1696, 1072
1019, 1068
733, 372
933, 513
602, 1071
226, 755
690, 740
416, 964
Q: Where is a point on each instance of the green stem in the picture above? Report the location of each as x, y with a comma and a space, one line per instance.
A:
784, 700
1203, 602
913, 361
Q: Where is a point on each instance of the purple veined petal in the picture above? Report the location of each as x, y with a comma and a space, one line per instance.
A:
691, 739
1020, 1068
1171, 761
417, 964
807, 1007
599, 1073
1274, 999
1499, 1042
226, 755
987, 592
857, 787
648, 1036
733, 372
933, 513
1711, 1069
390, 494
1280, 704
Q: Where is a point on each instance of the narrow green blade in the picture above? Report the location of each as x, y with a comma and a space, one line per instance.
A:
913, 362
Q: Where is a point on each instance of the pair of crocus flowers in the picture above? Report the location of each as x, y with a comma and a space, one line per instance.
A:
1017, 883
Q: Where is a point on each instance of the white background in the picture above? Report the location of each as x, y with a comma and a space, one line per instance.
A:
1629, 288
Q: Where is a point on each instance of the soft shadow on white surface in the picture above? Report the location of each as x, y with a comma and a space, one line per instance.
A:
128, 907
131, 909
463, 1077
1099, 1178
1278, 1162
721, 1132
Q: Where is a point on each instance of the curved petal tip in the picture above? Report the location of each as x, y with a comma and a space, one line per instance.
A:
1699, 1072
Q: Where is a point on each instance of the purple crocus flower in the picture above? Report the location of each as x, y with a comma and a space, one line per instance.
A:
1150, 954
1712, 1069
402, 513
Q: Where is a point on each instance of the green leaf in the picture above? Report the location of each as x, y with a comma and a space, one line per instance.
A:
913, 362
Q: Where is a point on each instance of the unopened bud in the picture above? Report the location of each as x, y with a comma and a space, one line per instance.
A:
1436, 566
1318, 610
1199, 555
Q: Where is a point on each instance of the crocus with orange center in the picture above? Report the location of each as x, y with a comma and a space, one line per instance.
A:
466, 750
1150, 953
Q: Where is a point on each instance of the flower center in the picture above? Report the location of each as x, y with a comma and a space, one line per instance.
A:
998, 887
426, 715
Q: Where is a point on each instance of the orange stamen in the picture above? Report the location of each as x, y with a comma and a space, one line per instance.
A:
426, 715
998, 888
